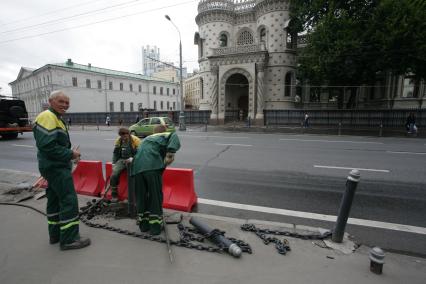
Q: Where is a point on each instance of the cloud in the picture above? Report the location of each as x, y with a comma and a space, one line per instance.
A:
114, 44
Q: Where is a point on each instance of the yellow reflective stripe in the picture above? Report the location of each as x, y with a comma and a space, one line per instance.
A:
52, 222
155, 221
69, 225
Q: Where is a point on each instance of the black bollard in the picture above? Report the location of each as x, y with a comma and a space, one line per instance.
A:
220, 240
345, 206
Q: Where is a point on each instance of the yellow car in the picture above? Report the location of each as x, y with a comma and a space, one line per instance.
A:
145, 127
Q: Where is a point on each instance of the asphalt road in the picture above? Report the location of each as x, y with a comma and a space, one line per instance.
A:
301, 173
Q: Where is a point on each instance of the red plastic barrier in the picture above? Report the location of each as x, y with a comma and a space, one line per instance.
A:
178, 189
88, 178
122, 186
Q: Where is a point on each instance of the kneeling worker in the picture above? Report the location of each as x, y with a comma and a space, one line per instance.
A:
156, 152
125, 147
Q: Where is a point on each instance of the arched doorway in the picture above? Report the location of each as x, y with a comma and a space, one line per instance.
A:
236, 97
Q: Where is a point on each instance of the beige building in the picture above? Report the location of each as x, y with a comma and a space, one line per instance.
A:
192, 90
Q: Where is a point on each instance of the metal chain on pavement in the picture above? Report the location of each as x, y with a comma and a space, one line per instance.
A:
282, 246
187, 235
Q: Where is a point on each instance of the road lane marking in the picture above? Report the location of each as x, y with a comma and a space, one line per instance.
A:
351, 168
26, 146
227, 137
316, 216
330, 141
242, 145
404, 152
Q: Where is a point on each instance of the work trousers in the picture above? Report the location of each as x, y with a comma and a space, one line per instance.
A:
118, 167
149, 200
62, 205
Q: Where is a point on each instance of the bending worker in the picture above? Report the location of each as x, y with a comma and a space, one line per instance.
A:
156, 152
54, 162
125, 147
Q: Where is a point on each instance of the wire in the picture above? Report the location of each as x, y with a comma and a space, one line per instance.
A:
98, 22
75, 15
23, 205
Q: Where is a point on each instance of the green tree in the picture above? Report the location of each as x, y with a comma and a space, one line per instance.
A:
350, 42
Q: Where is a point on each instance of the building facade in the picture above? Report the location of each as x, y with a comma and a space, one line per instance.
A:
247, 57
150, 59
93, 89
192, 90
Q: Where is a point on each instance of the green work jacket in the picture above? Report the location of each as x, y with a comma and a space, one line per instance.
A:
152, 151
52, 141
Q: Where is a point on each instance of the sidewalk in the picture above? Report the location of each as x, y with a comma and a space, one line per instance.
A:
26, 256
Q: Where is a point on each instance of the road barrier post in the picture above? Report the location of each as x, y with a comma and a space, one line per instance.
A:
345, 206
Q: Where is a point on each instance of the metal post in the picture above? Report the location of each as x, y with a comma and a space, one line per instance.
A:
340, 129
182, 126
381, 130
345, 206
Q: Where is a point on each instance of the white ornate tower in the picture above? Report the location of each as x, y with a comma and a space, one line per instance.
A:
246, 61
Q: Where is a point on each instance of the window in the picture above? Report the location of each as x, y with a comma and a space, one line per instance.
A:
110, 85
74, 81
99, 84
174, 105
121, 106
155, 120
155, 105
174, 92
131, 106
245, 38
287, 91
48, 79
168, 91
161, 90
410, 88
168, 105
139, 106
201, 88
111, 106
161, 105
121, 86
262, 35
140, 89
131, 87
223, 40
88, 83
154, 90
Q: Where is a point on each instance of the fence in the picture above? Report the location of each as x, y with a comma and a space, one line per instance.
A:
395, 118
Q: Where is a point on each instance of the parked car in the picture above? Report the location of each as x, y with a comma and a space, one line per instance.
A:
146, 126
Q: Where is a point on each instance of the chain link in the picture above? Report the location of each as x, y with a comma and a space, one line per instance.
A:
282, 246
188, 235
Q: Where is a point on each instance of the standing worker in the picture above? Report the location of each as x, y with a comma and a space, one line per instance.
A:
125, 147
155, 153
54, 162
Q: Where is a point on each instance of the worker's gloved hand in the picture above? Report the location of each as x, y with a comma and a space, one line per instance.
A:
128, 161
170, 157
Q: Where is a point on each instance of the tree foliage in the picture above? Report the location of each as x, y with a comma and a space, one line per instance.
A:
350, 42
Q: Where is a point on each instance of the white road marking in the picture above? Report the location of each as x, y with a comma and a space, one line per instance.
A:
351, 168
242, 145
205, 136
403, 152
330, 141
26, 146
316, 216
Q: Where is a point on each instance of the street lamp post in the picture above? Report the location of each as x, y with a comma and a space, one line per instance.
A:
182, 104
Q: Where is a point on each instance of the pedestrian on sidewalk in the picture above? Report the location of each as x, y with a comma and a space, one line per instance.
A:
306, 120
108, 121
54, 154
410, 125
125, 147
69, 122
154, 154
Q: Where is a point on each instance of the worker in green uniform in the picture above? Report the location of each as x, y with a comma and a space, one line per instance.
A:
54, 161
155, 153
125, 147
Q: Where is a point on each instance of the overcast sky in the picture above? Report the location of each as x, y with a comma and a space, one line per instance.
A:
105, 33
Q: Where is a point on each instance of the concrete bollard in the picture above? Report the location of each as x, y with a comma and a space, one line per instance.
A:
339, 131
381, 130
377, 257
345, 206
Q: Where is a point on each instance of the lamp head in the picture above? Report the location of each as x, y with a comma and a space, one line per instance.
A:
167, 17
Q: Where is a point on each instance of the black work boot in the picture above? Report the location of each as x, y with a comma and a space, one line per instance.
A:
77, 244
53, 240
